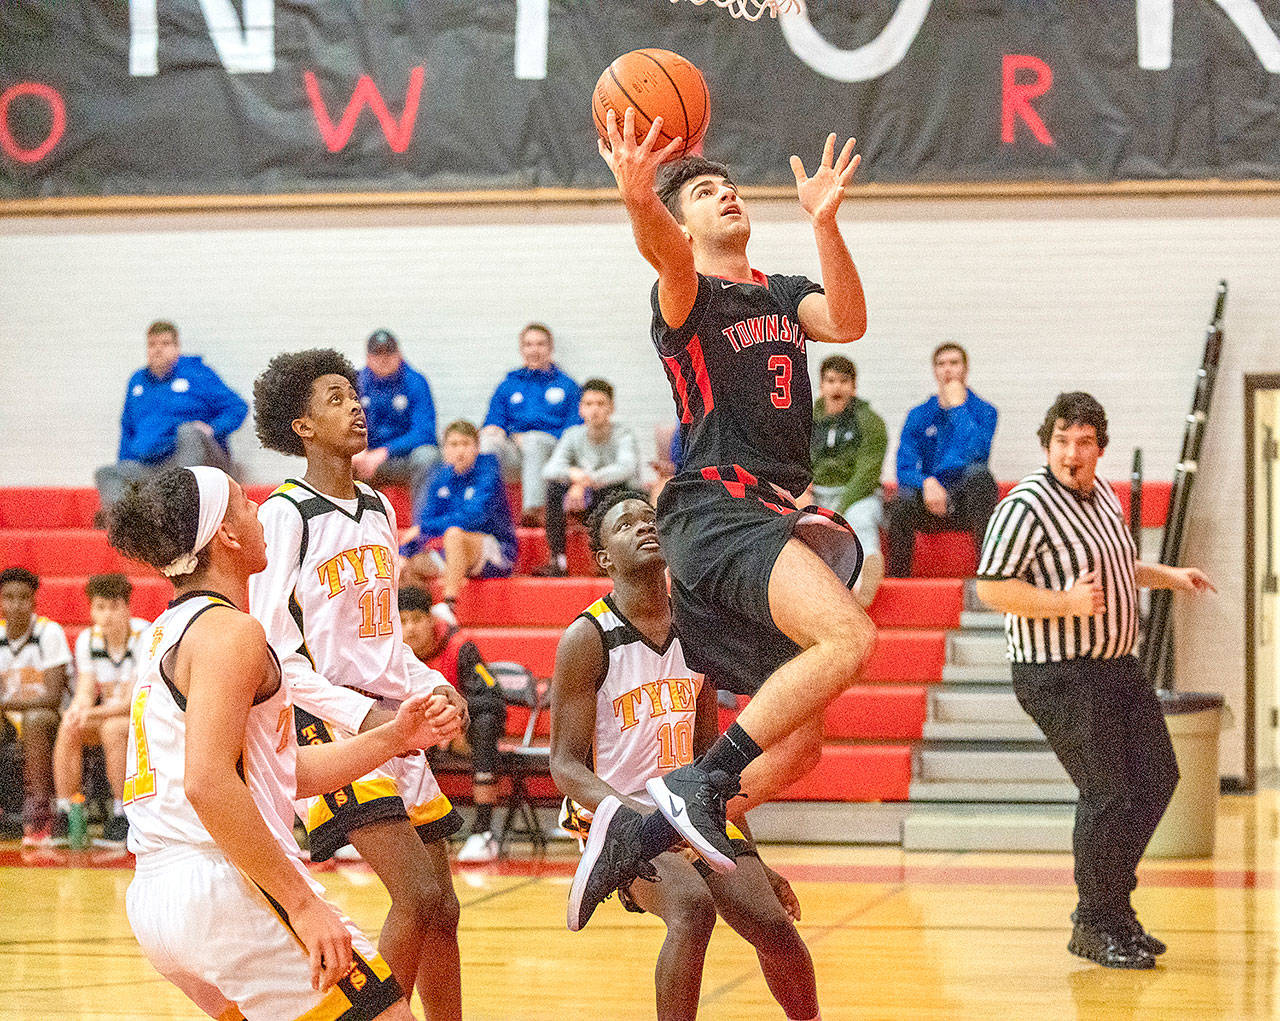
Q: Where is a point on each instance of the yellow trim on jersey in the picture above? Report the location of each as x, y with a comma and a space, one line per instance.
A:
365, 790
232, 1013
597, 608
732, 831
336, 1003
285, 487
429, 811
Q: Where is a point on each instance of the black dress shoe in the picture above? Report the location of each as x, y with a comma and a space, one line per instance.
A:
1111, 950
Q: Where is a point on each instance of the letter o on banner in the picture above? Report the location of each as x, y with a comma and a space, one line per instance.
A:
57, 111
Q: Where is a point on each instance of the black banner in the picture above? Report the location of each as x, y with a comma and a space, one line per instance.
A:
171, 97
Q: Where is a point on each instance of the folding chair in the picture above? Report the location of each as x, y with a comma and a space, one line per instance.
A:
519, 760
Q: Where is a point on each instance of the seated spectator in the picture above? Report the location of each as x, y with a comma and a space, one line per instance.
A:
666, 461
848, 448
177, 413
428, 638
943, 481
532, 406
401, 418
33, 679
590, 461
106, 666
464, 530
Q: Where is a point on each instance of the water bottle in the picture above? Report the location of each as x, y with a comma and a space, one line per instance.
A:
77, 827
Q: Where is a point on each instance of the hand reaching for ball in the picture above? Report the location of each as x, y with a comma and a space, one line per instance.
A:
820, 194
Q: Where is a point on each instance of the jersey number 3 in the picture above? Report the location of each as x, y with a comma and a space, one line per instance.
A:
780, 366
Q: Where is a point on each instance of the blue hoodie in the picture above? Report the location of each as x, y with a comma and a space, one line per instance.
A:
535, 399
154, 408
398, 409
475, 501
943, 442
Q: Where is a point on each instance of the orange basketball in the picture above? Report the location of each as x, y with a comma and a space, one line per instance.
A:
657, 83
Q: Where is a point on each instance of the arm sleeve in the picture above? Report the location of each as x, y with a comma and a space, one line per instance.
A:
624, 467
869, 460
910, 475
125, 450
1013, 535
976, 421
435, 516
422, 419
796, 289
477, 510
83, 658
570, 415
54, 650
421, 676
562, 458
269, 594
497, 414
227, 408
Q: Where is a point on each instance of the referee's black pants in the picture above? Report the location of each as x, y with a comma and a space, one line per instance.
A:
1104, 722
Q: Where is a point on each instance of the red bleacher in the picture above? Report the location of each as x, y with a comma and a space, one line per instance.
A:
870, 729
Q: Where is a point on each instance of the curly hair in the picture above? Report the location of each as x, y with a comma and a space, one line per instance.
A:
21, 575
595, 520
1074, 408
109, 586
676, 175
156, 521
283, 393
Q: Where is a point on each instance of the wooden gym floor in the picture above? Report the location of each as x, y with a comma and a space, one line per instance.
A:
894, 935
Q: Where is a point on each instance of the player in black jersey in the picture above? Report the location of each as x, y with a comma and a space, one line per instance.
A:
760, 585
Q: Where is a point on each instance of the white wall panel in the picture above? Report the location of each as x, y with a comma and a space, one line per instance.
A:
1105, 294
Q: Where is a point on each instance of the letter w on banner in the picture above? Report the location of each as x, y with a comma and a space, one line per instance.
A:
336, 136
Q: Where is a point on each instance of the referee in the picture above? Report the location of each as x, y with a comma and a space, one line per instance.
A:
1060, 563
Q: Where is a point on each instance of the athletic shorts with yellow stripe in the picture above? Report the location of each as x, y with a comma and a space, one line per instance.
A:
401, 788
231, 949
576, 820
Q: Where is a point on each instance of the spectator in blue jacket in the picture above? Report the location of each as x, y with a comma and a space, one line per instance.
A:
177, 413
532, 406
464, 529
401, 417
944, 484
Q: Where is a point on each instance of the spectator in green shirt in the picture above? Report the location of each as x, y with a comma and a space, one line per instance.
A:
848, 448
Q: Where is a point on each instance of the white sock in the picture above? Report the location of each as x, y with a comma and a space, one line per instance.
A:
562, 561
63, 805
117, 806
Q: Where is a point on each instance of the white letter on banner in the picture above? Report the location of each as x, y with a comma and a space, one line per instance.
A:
531, 40
250, 49
1155, 33
882, 54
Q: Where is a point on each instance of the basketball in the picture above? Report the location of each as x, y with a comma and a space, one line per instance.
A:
657, 83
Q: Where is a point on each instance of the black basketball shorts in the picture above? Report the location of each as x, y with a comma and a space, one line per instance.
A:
721, 531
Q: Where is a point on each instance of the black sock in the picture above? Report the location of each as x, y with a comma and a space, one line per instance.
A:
484, 819
732, 753
657, 835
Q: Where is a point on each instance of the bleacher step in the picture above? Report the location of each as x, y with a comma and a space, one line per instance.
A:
985, 673
991, 791
969, 730
975, 704
828, 822
1016, 764
975, 649
1043, 828
982, 620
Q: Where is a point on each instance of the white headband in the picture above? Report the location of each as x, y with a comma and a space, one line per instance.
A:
215, 491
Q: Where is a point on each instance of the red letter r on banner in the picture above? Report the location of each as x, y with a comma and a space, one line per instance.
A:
1016, 96
57, 110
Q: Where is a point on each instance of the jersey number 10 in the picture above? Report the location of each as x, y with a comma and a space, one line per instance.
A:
675, 744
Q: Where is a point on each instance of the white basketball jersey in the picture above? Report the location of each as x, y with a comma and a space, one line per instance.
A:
94, 659
155, 797
329, 591
644, 707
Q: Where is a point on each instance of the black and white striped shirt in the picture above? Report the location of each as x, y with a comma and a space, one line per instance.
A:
1049, 535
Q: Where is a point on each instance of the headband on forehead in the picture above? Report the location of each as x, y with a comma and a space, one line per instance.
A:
215, 492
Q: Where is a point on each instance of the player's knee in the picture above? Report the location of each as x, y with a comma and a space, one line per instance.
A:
433, 903
453, 535
693, 917
69, 734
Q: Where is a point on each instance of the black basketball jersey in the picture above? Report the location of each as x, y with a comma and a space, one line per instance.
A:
739, 373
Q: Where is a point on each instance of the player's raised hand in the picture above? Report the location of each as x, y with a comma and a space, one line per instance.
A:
423, 721
820, 195
327, 940
634, 163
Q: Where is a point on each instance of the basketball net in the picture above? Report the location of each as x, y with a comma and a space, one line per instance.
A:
753, 10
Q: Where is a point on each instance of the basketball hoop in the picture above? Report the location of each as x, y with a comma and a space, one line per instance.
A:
754, 10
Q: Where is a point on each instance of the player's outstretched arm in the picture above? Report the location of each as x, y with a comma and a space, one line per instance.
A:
840, 315
224, 661
658, 236
573, 717
422, 721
